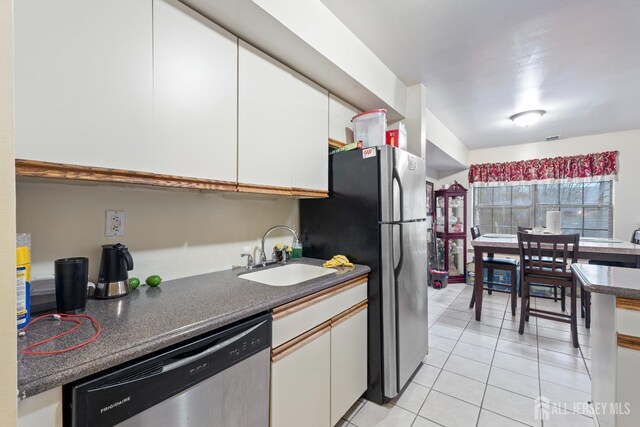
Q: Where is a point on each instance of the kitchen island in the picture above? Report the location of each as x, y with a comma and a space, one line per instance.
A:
151, 319
615, 341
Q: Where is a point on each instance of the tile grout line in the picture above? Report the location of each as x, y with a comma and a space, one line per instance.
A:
441, 369
486, 384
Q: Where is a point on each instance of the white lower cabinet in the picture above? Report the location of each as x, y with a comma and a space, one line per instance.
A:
628, 378
319, 374
348, 362
301, 383
41, 410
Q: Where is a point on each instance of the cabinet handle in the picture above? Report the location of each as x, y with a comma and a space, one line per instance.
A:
628, 303
349, 313
628, 341
300, 341
304, 302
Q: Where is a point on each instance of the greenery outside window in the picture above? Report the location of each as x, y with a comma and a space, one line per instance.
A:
586, 207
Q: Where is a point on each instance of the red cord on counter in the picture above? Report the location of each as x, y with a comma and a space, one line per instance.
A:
64, 318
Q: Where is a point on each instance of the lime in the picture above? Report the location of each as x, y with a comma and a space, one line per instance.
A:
154, 280
134, 282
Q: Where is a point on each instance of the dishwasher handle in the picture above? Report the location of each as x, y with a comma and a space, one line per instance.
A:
204, 353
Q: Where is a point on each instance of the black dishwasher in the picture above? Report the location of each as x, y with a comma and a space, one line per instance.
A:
220, 379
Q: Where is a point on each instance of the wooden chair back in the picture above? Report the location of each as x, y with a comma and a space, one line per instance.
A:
546, 257
475, 232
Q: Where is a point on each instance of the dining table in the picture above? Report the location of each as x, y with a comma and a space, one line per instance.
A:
590, 248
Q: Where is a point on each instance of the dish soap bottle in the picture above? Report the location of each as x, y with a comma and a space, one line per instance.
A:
23, 284
297, 249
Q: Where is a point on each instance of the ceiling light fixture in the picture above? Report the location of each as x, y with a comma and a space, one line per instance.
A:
527, 118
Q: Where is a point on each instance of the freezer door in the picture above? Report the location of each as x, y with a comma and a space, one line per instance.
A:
402, 185
407, 284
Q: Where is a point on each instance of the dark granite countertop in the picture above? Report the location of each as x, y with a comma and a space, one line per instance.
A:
618, 281
150, 319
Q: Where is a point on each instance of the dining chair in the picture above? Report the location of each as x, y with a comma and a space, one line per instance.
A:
501, 264
538, 285
585, 296
563, 250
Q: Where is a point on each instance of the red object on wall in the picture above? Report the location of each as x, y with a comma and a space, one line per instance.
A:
393, 137
588, 167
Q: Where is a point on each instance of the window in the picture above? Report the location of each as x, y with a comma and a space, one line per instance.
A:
586, 207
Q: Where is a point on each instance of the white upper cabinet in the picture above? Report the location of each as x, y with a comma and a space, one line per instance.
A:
195, 94
83, 82
309, 136
340, 115
282, 125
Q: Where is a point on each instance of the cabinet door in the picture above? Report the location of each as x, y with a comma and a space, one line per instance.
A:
282, 124
83, 82
628, 385
300, 383
42, 410
310, 137
348, 361
340, 115
195, 94
265, 101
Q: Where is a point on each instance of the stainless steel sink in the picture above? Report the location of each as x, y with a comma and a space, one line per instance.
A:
287, 275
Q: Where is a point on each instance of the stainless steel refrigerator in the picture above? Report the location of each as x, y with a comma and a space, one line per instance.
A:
376, 215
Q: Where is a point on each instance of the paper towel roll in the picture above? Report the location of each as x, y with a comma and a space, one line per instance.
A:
553, 222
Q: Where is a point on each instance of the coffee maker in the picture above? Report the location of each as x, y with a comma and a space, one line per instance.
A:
113, 279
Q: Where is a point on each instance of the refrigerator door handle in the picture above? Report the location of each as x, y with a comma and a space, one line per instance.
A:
399, 202
388, 311
397, 250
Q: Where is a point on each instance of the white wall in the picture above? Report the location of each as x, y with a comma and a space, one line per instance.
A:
443, 138
416, 119
626, 200
7, 223
314, 23
170, 233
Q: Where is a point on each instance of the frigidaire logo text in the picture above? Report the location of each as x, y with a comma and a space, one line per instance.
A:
114, 404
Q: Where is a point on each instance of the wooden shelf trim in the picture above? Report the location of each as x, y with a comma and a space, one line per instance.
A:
304, 192
304, 302
70, 172
299, 341
334, 143
38, 169
349, 313
628, 303
628, 341
281, 191
264, 189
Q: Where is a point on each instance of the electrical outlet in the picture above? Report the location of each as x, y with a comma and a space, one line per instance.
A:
114, 224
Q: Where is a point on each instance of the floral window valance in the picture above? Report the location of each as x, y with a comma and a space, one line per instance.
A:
585, 168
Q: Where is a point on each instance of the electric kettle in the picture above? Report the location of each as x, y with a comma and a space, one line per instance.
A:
113, 278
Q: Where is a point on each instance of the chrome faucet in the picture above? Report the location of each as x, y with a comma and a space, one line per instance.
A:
263, 257
250, 263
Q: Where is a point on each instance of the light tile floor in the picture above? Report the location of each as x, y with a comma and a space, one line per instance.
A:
485, 373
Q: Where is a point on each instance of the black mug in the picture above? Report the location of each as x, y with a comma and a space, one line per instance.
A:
72, 278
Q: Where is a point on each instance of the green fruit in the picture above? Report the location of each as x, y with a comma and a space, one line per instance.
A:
134, 282
154, 280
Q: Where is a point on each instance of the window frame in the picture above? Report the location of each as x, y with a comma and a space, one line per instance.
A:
534, 207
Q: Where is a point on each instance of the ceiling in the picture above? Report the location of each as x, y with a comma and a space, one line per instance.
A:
482, 61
